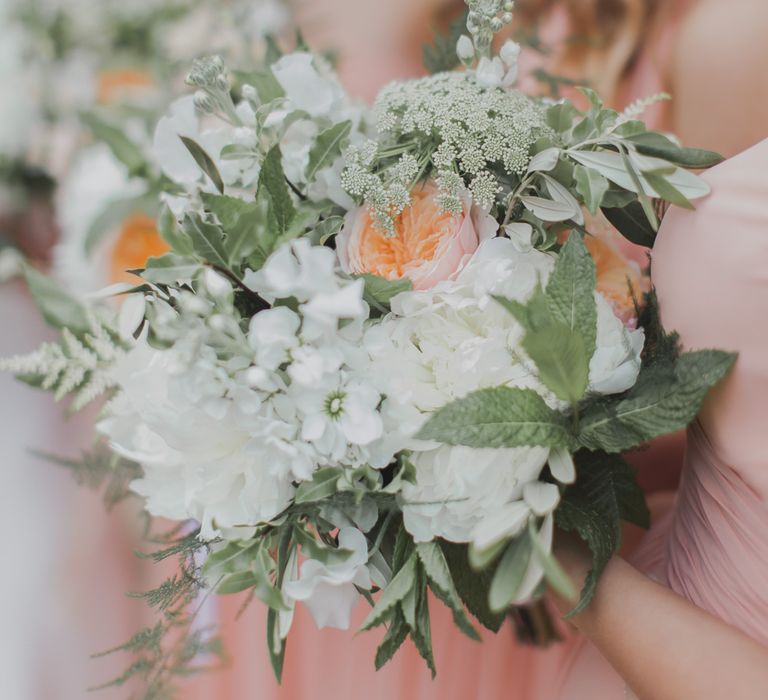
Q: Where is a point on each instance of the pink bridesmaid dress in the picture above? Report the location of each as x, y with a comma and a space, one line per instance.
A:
712, 546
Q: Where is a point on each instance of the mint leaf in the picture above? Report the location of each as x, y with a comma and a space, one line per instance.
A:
605, 494
207, 240
399, 587
498, 417
272, 183
665, 399
393, 640
561, 360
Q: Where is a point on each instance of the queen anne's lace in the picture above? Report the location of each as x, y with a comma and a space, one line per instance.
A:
470, 134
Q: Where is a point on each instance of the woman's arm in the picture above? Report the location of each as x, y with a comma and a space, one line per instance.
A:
662, 645
720, 92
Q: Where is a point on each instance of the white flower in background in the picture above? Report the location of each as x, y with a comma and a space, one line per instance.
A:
305, 87
18, 100
95, 182
328, 590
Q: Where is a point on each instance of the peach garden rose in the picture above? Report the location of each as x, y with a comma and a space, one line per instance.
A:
429, 246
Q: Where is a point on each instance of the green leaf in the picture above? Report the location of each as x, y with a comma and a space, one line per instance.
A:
275, 645
441, 55
548, 209
497, 417
399, 587
480, 559
393, 640
510, 574
421, 633
232, 558
57, 306
667, 191
560, 117
441, 582
324, 484
272, 183
327, 229
561, 359
236, 583
125, 150
591, 185
204, 161
664, 400
243, 223
327, 148
631, 222
207, 240
570, 292
172, 234
610, 165
652, 143
643, 194
553, 572
170, 269
379, 291
605, 494
472, 586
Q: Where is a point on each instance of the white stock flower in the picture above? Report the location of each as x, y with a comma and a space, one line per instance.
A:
272, 335
304, 86
328, 590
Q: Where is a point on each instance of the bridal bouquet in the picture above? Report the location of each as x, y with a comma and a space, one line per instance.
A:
384, 355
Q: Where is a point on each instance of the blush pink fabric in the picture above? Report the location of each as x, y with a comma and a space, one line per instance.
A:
712, 546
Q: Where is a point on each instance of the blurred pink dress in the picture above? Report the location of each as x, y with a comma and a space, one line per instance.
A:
709, 267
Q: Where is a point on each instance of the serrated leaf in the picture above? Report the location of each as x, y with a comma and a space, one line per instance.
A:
272, 183
570, 292
421, 633
509, 574
663, 401
207, 240
630, 221
327, 148
441, 582
402, 582
243, 224
57, 306
472, 586
393, 640
204, 162
497, 417
592, 187
561, 360
652, 143
605, 493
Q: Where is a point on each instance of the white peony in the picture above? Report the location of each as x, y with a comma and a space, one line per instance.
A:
329, 590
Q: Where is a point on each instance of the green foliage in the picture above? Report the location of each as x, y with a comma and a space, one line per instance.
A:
327, 148
630, 221
379, 291
440, 55
591, 185
324, 484
498, 417
652, 143
509, 573
206, 239
204, 161
57, 306
273, 187
125, 150
605, 494
100, 469
666, 398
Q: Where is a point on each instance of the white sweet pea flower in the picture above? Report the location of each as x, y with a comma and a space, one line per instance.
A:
510, 52
490, 72
303, 85
328, 590
272, 335
295, 145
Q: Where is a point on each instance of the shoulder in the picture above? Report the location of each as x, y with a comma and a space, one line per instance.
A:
718, 74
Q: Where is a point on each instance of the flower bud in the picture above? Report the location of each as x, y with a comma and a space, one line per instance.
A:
465, 49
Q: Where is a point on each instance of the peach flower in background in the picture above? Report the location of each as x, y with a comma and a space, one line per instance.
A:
137, 241
619, 280
429, 246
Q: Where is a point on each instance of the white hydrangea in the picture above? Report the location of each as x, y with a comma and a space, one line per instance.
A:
441, 344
